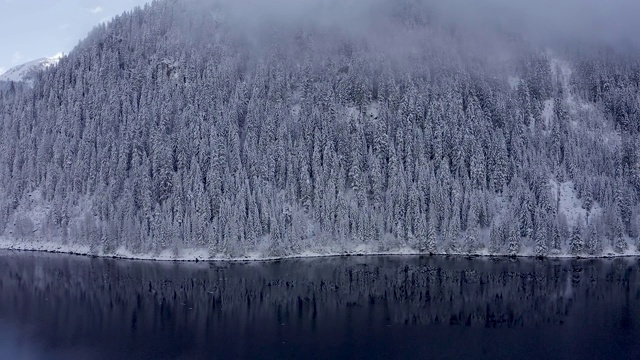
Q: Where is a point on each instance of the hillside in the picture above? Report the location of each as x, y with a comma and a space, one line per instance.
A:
224, 129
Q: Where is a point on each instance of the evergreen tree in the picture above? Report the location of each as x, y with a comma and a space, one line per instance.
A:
576, 243
593, 241
513, 241
619, 242
541, 234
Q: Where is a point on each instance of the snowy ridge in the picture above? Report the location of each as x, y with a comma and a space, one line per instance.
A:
26, 72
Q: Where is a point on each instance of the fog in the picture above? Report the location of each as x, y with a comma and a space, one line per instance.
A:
546, 22
611, 22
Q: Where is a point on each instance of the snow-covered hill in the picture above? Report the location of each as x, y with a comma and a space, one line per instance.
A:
27, 71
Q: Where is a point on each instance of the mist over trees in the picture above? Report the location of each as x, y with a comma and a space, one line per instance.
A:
262, 130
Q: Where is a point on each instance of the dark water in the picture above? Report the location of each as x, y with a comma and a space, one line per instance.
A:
64, 307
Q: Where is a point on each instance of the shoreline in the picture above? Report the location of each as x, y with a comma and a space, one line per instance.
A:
194, 256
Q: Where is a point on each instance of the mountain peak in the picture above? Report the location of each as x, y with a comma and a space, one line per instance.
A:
25, 72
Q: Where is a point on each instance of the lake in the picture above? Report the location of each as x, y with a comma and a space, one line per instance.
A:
70, 307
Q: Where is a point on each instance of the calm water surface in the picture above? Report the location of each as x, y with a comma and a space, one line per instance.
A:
67, 307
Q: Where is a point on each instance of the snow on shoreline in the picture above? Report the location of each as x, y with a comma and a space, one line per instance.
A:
195, 255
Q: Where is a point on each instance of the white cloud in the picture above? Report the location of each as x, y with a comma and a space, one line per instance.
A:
96, 10
64, 26
2, 70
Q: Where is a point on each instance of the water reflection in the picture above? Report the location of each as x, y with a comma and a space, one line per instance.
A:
389, 307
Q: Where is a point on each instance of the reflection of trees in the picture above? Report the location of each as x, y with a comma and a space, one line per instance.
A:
94, 300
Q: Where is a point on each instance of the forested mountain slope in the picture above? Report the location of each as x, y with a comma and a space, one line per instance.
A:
378, 126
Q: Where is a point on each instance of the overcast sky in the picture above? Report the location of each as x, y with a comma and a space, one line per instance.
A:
32, 29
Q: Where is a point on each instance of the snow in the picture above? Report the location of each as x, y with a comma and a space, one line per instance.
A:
352, 114
183, 255
44, 246
562, 72
26, 71
560, 69
33, 210
570, 205
191, 255
579, 108
373, 110
547, 112
75, 249
514, 82
296, 110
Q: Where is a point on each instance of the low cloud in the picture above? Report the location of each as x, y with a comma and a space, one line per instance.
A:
96, 10
611, 22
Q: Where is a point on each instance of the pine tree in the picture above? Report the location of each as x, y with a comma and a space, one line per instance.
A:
587, 202
619, 242
513, 241
540, 233
576, 243
495, 239
593, 241
561, 232
432, 246
471, 241
422, 230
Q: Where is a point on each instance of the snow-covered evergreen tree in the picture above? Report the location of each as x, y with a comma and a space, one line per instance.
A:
593, 246
576, 241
